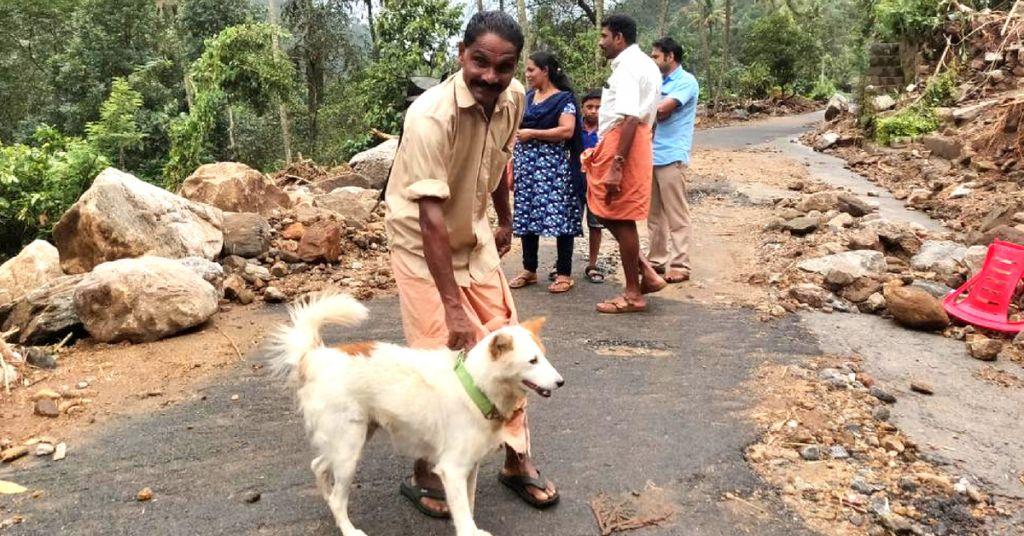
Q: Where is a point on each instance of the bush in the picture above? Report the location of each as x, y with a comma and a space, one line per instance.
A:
913, 20
907, 123
789, 52
756, 81
822, 90
941, 90
39, 182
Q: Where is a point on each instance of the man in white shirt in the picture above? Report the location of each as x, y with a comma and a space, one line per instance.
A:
619, 168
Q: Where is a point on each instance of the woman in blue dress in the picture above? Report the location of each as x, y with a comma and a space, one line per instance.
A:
547, 181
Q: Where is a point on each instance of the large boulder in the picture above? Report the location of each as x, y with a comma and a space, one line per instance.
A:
943, 257
38, 263
47, 314
321, 242
375, 163
234, 187
845, 268
142, 299
837, 106
915, 308
340, 181
820, 201
351, 203
943, 146
853, 205
121, 216
974, 259
246, 234
1005, 233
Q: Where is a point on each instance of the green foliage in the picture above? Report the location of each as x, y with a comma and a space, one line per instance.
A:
941, 90
199, 20
906, 123
785, 48
117, 130
38, 182
107, 39
239, 66
912, 20
756, 81
574, 44
823, 89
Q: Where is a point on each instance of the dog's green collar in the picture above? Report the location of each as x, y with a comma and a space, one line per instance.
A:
478, 397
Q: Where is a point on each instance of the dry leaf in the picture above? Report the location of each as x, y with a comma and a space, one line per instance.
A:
10, 488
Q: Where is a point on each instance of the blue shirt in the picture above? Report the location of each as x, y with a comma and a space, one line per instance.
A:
589, 138
673, 137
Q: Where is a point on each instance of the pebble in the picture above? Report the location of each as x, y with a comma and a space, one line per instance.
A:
61, 452
922, 387
861, 486
811, 453
145, 494
274, 295
907, 483
837, 452
880, 505
882, 395
881, 413
892, 444
46, 407
234, 397
44, 449
857, 520
40, 358
252, 497
82, 385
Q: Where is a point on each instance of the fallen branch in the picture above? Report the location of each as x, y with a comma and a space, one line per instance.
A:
741, 500
233, 345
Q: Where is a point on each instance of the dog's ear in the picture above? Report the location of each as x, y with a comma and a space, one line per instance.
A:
501, 344
534, 325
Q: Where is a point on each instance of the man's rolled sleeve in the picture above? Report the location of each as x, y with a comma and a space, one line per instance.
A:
424, 153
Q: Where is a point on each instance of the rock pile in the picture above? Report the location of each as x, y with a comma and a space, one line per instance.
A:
829, 445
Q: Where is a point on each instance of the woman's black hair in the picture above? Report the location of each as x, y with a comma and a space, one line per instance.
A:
496, 22
548, 62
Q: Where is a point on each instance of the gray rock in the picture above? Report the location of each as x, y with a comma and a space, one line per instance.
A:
811, 453
40, 358
895, 236
210, 271
853, 205
375, 163
974, 259
837, 106
943, 257
938, 290
47, 314
837, 452
848, 266
960, 192
351, 203
809, 294
882, 395
246, 234
234, 187
967, 114
826, 140
882, 103
880, 505
908, 484
37, 264
274, 295
881, 413
801, 226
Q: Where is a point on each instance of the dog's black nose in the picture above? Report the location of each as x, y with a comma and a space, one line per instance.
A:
560, 383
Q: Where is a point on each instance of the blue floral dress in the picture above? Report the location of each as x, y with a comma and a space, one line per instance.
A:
546, 203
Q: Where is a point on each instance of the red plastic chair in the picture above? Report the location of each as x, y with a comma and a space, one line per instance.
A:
989, 292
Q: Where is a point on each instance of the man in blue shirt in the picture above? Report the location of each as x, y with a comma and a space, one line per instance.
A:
669, 221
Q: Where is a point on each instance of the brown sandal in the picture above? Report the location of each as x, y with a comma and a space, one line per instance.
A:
620, 305
562, 284
523, 280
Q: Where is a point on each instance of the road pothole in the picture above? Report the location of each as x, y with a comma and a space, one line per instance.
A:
630, 348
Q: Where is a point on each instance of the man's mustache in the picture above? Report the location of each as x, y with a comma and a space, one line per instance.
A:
484, 85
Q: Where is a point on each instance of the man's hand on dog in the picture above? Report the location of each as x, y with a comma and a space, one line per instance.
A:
461, 334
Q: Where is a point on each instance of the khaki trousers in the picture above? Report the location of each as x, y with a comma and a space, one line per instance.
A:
669, 221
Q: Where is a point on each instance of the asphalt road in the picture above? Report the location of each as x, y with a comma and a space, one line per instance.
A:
674, 417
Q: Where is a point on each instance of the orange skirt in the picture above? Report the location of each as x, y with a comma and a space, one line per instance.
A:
634, 200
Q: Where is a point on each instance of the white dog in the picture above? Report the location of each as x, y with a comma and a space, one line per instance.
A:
432, 406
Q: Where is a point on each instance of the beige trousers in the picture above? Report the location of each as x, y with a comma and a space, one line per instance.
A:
669, 221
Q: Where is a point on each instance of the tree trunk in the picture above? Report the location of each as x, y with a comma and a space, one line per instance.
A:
663, 19
705, 52
501, 5
524, 22
231, 133
479, 5
282, 111
598, 17
373, 31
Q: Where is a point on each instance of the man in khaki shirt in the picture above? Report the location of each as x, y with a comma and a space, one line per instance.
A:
456, 143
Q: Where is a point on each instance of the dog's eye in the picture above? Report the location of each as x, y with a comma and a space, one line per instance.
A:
534, 361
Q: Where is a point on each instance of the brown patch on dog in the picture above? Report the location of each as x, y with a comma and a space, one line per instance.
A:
534, 325
303, 369
501, 344
361, 349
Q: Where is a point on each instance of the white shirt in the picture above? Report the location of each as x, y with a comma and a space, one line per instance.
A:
633, 89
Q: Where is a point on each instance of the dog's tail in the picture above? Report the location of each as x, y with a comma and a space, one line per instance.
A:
302, 335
